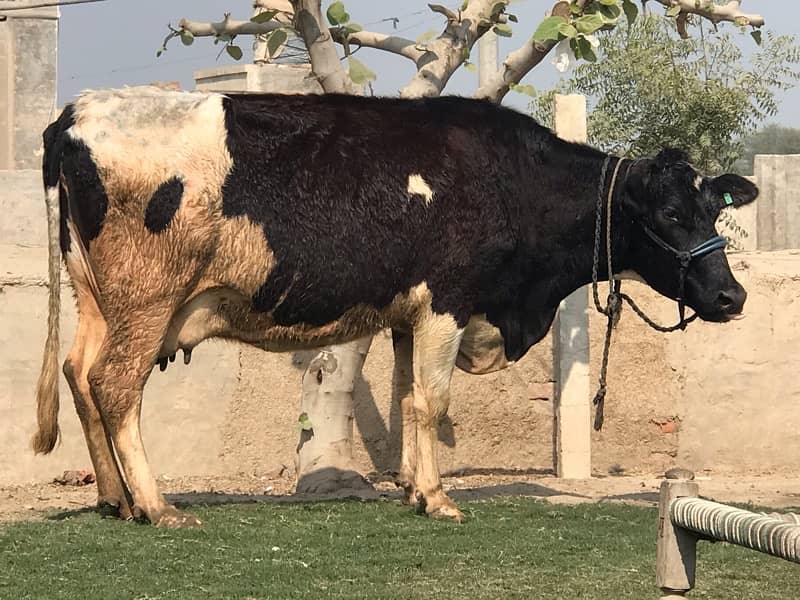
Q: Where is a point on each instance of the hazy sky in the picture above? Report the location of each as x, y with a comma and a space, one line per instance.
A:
113, 43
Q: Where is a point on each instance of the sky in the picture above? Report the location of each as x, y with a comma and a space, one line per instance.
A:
113, 43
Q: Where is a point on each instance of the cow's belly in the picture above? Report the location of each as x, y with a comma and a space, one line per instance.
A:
225, 313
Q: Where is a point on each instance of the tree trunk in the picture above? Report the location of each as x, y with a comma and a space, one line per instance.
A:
324, 460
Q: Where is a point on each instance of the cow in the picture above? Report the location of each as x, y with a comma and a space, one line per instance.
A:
296, 221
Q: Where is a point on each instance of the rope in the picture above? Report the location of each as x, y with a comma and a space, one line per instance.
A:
613, 308
774, 536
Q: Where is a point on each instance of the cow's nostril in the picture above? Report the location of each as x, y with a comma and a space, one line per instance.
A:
725, 301
731, 301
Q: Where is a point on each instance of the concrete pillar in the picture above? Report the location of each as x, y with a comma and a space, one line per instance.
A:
572, 391
28, 44
778, 178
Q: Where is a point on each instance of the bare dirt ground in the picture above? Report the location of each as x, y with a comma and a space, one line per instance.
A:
35, 502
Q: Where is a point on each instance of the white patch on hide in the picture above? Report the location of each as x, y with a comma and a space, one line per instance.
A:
418, 186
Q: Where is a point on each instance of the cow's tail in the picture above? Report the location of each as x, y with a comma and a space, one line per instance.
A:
47, 390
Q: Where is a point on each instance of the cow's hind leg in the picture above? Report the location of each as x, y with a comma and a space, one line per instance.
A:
436, 341
403, 395
112, 494
117, 378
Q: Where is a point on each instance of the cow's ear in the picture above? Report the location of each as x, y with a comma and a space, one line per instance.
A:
729, 190
637, 181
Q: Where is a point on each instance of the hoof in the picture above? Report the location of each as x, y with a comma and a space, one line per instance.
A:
172, 518
439, 506
114, 508
447, 513
410, 494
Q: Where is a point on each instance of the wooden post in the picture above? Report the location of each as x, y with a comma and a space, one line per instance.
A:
676, 550
572, 391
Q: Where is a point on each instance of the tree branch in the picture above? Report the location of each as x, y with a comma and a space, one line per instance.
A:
716, 13
515, 66
389, 43
324, 59
519, 62
228, 26
280, 5
448, 52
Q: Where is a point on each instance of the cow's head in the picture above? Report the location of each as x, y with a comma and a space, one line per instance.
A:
681, 208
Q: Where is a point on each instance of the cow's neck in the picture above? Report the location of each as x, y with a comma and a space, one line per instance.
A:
574, 239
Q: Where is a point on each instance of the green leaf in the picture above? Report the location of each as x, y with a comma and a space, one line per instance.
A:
756, 33
428, 35
503, 30
359, 72
351, 28
234, 51
464, 5
528, 90
588, 23
610, 13
304, 423
567, 30
575, 9
631, 10
548, 29
263, 17
336, 14
187, 37
471, 67
586, 50
274, 41
608, 2
513, 18
673, 11
160, 51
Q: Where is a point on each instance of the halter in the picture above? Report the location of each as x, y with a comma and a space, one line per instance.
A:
613, 307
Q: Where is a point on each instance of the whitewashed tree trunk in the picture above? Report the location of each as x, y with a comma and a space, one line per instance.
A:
324, 460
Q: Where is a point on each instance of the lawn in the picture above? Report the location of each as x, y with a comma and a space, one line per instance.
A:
508, 548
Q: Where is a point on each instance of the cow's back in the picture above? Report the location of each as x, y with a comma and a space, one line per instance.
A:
307, 205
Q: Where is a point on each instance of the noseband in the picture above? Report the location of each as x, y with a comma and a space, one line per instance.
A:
613, 306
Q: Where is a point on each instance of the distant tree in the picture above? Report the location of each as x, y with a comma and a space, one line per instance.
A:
772, 139
652, 87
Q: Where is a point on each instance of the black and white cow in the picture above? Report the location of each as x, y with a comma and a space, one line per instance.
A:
296, 221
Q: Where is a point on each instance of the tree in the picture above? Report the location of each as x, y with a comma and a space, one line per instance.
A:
654, 88
569, 25
772, 139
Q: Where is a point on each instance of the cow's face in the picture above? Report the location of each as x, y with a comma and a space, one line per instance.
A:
681, 207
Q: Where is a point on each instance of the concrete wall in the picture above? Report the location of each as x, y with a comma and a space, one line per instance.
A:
258, 78
730, 390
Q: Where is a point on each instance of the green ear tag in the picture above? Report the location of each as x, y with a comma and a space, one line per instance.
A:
728, 198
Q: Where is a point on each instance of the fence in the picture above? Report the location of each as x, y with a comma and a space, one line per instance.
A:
683, 519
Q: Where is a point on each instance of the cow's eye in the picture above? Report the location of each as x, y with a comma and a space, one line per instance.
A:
671, 214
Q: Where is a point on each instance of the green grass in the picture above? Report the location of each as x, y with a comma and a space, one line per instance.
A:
508, 548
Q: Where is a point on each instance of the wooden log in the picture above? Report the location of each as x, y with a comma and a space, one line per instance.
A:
676, 556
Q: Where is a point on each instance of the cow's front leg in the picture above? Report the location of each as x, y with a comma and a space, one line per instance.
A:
436, 342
